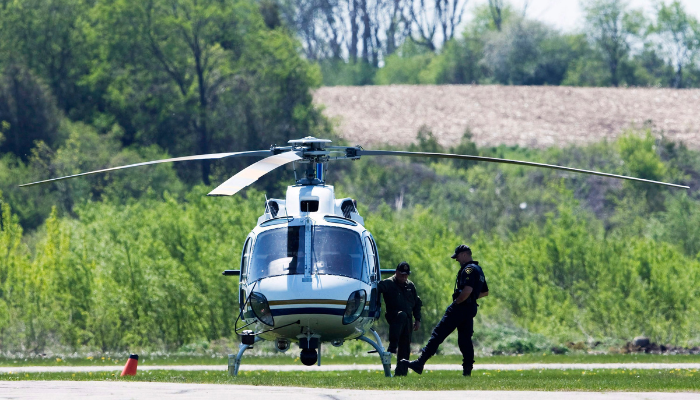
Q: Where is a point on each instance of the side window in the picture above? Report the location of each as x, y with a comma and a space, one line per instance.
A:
376, 259
371, 257
245, 259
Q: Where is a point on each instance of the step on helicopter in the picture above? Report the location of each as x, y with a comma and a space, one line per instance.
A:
309, 269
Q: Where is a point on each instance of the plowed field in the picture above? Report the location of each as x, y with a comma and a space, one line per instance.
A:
529, 116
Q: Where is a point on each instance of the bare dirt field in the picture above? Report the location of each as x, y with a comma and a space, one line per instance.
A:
528, 116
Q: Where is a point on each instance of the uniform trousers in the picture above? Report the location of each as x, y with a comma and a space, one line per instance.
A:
400, 332
460, 317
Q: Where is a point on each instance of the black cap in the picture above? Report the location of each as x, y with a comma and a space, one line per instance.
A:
461, 248
403, 268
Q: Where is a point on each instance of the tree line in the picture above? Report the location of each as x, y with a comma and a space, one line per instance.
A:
436, 42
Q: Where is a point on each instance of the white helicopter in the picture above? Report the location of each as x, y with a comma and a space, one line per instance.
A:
309, 269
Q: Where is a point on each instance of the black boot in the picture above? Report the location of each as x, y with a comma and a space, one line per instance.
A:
417, 365
401, 368
467, 369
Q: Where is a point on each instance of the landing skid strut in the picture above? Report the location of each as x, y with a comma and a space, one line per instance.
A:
385, 356
234, 361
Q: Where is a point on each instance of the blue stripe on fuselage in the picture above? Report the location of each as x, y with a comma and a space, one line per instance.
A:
307, 310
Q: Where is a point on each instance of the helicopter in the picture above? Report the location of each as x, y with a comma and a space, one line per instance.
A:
309, 269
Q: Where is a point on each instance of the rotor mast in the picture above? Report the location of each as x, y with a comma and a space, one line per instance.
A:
315, 155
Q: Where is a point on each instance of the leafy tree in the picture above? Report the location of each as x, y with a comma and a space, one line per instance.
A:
27, 112
342, 73
180, 72
682, 224
48, 37
457, 63
176, 48
648, 68
404, 66
466, 146
483, 20
680, 34
427, 142
642, 160
611, 26
588, 68
14, 269
84, 149
526, 52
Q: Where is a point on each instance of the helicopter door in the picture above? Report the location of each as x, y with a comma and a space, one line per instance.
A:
374, 275
245, 262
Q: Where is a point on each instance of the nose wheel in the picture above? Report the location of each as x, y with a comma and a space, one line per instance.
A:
308, 356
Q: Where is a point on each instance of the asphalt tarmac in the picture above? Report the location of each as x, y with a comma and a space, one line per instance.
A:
61, 390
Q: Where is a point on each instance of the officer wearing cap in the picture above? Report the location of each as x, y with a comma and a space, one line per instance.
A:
402, 305
470, 285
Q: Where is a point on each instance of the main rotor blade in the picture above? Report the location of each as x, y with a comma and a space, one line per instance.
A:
506, 161
187, 158
253, 172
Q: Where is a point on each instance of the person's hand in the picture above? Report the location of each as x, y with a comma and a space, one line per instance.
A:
416, 325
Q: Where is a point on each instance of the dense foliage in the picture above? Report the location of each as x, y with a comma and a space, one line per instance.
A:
568, 258
618, 46
86, 85
184, 75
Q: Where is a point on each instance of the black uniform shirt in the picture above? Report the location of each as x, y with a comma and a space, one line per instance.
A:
400, 298
471, 274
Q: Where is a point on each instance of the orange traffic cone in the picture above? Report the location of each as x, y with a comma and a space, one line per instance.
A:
131, 363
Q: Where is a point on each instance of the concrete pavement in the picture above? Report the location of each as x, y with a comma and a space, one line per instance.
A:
62, 390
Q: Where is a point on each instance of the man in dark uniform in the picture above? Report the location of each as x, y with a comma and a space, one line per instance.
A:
470, 285
402, 303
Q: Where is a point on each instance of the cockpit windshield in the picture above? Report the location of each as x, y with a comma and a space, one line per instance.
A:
282, 251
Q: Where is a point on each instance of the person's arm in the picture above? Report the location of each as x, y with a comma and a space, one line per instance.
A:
416, 310
464, 295
484, 289
416, 325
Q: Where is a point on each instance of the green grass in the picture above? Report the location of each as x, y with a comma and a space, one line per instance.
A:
549, 380
290, 357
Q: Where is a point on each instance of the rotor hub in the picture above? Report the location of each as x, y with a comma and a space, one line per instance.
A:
315, 155
311, 143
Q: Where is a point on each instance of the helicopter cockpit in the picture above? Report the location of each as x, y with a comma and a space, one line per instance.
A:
283, 251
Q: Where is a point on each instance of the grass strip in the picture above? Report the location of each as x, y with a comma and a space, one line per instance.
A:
543, 380
291, 359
